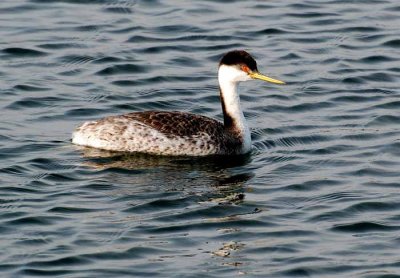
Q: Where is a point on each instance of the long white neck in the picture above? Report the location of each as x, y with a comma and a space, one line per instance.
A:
234, 119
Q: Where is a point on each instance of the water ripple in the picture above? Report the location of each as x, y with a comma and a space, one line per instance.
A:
363, 227
22, 52
318, 193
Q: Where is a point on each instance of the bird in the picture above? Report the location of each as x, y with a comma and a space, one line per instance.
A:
174, 133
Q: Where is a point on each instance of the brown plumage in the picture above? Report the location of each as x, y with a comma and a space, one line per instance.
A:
176, 123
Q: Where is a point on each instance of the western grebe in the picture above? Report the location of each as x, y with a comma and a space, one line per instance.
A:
179, 133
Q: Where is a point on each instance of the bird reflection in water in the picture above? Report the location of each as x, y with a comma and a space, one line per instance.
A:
226, 175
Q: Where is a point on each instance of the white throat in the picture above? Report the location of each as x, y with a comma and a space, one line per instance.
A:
228, 78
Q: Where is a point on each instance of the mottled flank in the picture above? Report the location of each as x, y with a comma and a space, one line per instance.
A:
155, 132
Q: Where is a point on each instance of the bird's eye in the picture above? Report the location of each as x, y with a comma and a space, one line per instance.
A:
245, 68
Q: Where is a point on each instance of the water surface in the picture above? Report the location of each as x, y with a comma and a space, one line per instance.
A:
317, 197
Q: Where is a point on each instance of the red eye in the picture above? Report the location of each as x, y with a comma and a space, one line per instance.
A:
245, 68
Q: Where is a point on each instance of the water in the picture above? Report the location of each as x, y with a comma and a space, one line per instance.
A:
317, 197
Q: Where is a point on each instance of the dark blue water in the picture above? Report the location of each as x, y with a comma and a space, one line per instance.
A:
319, 196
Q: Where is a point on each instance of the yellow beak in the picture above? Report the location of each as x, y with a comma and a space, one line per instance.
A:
257, 75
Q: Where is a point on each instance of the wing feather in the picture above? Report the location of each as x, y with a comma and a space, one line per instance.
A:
178, 123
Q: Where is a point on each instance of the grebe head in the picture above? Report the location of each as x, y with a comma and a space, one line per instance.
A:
238, 65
